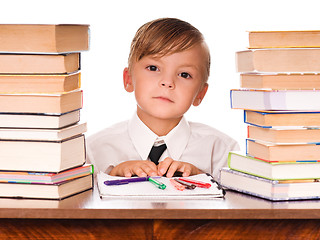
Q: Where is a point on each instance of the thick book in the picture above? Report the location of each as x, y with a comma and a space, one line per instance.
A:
45, 177
269, 189
39, 120
284, 39
146, 190
284, 134
294, 100
42, 156
39, 63
44, 38
54, 103
282, 118
38, 83
46, 191
43, 134
283, 152
280, 81
279, 60
273, 170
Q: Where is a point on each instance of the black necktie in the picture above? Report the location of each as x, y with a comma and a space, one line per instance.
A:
156, 152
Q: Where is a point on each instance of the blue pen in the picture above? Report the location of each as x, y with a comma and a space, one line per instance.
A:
125, 181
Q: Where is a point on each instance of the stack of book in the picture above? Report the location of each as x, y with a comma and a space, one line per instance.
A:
280, 95
42, 142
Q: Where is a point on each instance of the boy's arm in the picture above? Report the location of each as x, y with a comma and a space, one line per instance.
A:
170, 166
141, 168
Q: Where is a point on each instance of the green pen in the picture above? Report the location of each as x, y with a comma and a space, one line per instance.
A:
157, 183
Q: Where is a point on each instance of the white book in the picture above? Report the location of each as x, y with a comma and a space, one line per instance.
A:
294, 100
25, 120
43, 134
146, 190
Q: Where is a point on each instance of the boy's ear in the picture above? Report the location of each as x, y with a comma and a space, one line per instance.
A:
201, 95
127, 81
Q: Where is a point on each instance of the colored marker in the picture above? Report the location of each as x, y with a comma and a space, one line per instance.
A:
197, 183
177, 185
125, 181
157, 183
185, 184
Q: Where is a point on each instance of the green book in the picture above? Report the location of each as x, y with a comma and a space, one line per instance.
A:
274, 170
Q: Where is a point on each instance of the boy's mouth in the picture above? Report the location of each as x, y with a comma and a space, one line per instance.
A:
163, 99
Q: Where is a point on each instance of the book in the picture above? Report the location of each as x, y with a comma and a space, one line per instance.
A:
45, 177
46, 191
273, 170
44, 38
146, 190
43, 134
39, 120
41, 103
39, 63
32, 83
280, 81
279, 60
269, 189
284, 134
42, 156
284, 39
294, 100
283, 152
282, 118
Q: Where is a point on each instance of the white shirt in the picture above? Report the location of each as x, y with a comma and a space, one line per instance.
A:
195, 143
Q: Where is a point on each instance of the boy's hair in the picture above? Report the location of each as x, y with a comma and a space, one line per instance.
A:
165, 36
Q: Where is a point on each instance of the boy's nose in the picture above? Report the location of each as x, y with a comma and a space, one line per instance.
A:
167, 83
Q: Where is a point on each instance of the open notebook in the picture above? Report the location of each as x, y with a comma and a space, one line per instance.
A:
146, 190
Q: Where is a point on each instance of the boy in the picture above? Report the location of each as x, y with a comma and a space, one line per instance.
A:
168, 69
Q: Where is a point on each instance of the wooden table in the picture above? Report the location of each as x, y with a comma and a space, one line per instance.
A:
86, 216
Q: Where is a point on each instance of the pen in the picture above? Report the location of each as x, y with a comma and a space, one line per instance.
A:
197, 183
177, 185
157, 183
187, 185
125, 181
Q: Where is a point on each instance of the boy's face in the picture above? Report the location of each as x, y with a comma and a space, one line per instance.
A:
165, 87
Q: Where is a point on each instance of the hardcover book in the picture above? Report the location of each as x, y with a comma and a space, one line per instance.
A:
270, 189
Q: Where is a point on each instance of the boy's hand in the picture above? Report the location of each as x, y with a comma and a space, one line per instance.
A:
170, 166
141, 168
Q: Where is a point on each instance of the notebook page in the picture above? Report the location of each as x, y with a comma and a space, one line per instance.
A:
148, 190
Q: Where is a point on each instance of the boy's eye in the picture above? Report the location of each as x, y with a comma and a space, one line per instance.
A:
185, 75
152, 68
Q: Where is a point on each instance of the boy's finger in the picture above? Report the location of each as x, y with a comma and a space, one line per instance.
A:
164, 165
127, 172
173, 168
150, 171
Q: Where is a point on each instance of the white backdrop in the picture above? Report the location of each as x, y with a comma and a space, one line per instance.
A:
113, 24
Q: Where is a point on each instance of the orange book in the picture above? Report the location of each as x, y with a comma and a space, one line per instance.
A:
43, 38
41, 103
39, 63
284, 39
31, 83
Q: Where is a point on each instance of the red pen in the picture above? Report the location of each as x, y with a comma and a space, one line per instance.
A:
197, 183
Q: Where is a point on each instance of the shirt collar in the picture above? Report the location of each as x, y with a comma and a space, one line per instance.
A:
143, 138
